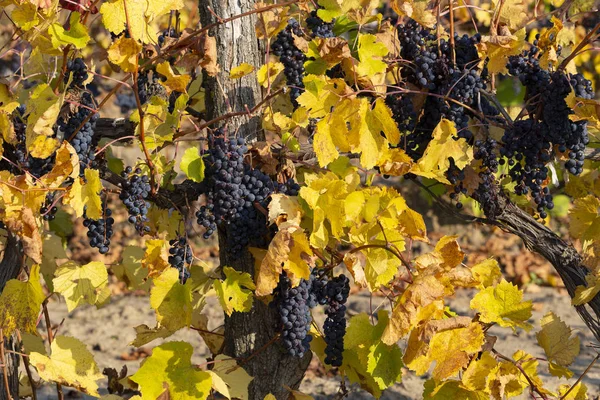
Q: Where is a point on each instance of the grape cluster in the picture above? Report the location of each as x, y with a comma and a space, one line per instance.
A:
334, 327
10, 65
294, 313
78, 70
83, 142
100, 231
318, 27
487, 190
134, 191
149, 87
291, 57
232, 188
403, 111
167, 33
180, 257
48, 209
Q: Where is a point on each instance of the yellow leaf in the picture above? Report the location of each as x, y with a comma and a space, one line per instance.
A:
584, 294
487, 273
475, 377
86, 195
284, 208
174, 82
579, 392
321, 94
268, 73
155, 259
417, 10
124, 52
70, 364
289, 250
450, 390
585, 218
450, 349
395, 162
169, 371
81, 285
370, 54
171, 300
436, 159
557, 340
25, 15
234, 376
241, 70
20, 303
323, 144
43, 107
499, 48
235, 291
504, 305
139, 15
66, 166
130, 271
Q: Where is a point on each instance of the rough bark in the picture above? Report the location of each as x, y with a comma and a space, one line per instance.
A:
249, 336
9, 269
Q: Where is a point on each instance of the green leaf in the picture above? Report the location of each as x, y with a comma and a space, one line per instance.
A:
169, 370
192, 165
171, 300
76, 35
20, 304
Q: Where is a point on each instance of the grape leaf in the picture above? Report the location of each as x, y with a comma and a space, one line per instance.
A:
85, 195
169, 370
450, 390
370, 53
43, 107
284, 208
20, 303
380, 362
241, 70
235, 291
583, 294
77, 34
417, 10
79, 285
140, 14
177, 83
475, 376
269, 73
234, 376
25, 16
155, 258
130, 269
70, 364
579, 392
171, 300
124, 52
557, 340
52, 249
504, 305
499, 48
436, 159
192, 165
487, 273
585, 218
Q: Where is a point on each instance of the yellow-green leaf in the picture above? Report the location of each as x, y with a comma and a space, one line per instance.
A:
234, 376
235, 291
585, 218
20, 303
171, 300
174, 82
124, 52
79, 285
169, 371
86, 195
70, 364
192, 165
504, 305
558, 341
77, 34
241, 70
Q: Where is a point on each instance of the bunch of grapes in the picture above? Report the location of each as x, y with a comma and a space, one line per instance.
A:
318, 27
48, 209
149, 86
83, 142
76, 69
100, 231
291, 57
180, 257
334, 328
232, 188
487, 190
134, 192
294, 313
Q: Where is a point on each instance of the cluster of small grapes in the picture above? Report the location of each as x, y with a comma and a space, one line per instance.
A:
180, 257
487, 190
83, 142
334, 327
100, 231
294, 313
149, 87
167, 33
78, 70
318, 27
403, 111
16, 158
529, 144
10, 64
232, 188
134, 191
456, 176
291, 57
48, 210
